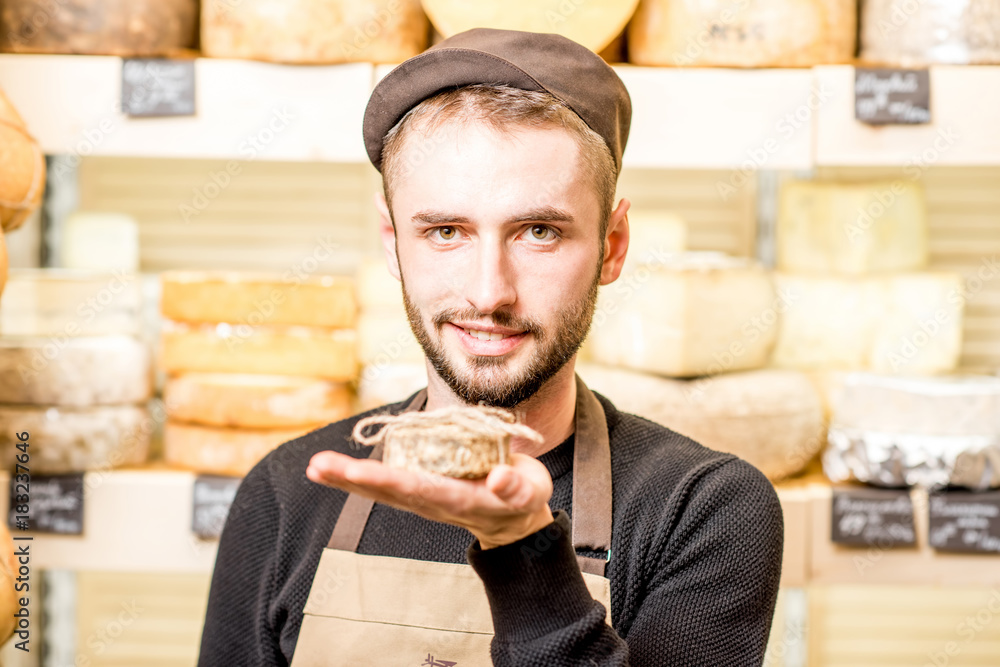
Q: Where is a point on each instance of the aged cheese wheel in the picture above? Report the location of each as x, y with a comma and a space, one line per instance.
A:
113, 27
852, 227
221, 451
653, 237
22, 167
907, 33
314, 31
592, 23
255, 401
696, 314
254, 299
302, 351
8, 594
771, 418
56, 302
92, 370
737, 33
65, 440
380, 385
899, 323
464, 455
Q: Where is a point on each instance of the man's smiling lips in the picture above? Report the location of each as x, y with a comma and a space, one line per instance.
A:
486, 340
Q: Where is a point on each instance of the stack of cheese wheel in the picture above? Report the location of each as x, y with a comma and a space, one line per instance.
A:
393, 365
314, 31
22, 170
130, 28
852, 275
770, 418
74, 372
737, 33
253, 360
907, 33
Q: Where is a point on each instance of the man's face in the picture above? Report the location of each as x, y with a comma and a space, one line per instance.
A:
498, 250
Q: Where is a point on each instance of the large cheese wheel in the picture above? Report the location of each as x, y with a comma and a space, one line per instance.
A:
389, 383
653, 236
773, 419
593, 23
304, 351
314, 31
698, 313
908, 323
60, 303
852, 227
92, 370
221, 451
257, 298
908, 33
737, 33
65, 440
115, 27
255, 401
8, 595
22, 166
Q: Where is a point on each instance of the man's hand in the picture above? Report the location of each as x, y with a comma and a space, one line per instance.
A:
510, 503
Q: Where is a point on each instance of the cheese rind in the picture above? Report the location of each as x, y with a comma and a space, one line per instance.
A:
257, 299
302, 351
772, 419
93, 370
221, 451
255, 401
699, 313
736, 33
900, 323
853, 228
65, 440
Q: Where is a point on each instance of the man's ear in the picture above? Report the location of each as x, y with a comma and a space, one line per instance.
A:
388, 234
615, 243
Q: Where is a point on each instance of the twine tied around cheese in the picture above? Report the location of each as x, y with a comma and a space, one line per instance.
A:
451, 423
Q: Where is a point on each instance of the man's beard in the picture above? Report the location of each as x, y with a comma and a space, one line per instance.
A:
487, 381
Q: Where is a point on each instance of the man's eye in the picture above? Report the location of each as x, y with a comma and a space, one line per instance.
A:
540, 232
447, 233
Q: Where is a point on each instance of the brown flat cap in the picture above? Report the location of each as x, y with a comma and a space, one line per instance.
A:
570, 72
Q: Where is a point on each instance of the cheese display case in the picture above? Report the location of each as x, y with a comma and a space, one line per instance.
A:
813, 293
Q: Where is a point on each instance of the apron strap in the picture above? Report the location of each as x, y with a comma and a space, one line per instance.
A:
591, 485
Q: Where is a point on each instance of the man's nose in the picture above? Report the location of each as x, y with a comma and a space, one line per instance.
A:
491, 279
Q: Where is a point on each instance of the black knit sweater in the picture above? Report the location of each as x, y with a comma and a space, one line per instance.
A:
696, 558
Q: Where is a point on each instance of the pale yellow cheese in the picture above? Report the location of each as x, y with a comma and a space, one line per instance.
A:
853, 228
900, 323
699, 313
61, 303
83, 371
255, 401
912, 33
221, 451
258, 298
770, 418
302, 351
653, 237
738, 33
67, 440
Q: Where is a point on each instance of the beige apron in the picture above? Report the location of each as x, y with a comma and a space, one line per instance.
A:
381, 610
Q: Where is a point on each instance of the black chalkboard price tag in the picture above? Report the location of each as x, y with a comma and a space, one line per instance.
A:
157, 87
55, 504
964, 521
885, 96
213, 494
868, 517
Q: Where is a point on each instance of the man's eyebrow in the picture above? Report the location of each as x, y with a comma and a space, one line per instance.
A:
542, 214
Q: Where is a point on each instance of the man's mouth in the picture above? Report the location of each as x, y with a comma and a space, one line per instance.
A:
492, 341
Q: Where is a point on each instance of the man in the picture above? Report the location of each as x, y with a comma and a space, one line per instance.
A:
499, 152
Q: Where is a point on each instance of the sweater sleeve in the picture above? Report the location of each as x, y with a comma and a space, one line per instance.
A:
237, 629
708, 581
